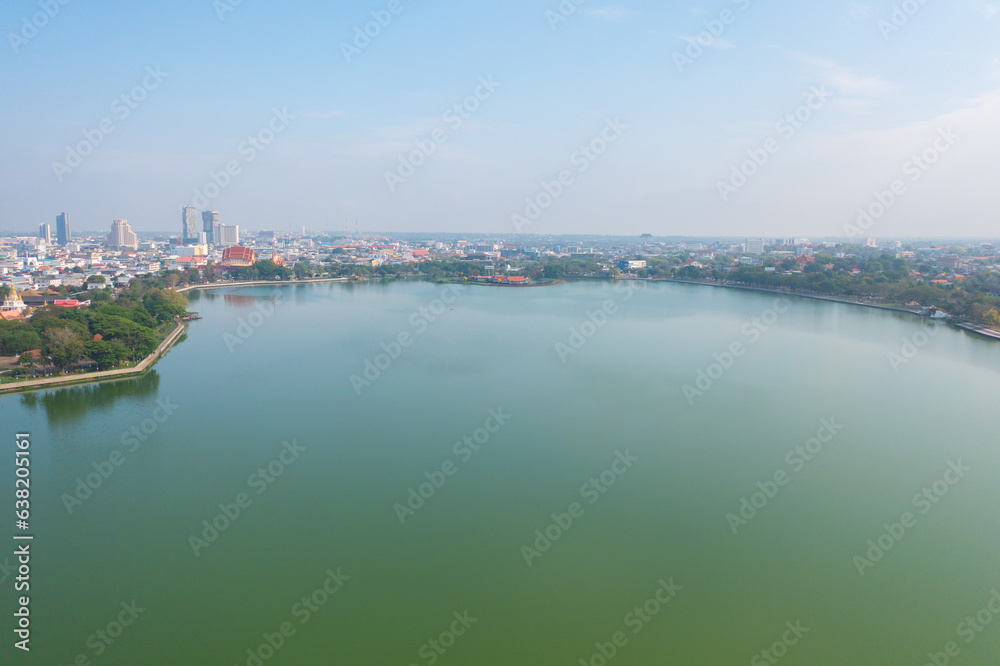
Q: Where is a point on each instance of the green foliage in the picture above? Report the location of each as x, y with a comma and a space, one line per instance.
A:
63, 346
127, 325
17, 337
43, 326
135, 313
107, 354
165, 304
262, 270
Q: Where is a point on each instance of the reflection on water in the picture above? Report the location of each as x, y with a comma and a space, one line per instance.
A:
240, 301
67, 405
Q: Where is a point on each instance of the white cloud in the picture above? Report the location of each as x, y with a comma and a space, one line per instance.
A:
843, 80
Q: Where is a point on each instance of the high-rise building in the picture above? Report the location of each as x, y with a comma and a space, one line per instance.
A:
45, 232
63, 233
209, 219
225, 235
189, 224
121, 236
755, 246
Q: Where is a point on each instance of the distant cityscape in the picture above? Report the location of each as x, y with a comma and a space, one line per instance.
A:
205, 244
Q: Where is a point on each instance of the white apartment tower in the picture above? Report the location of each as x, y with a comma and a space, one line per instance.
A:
122, 237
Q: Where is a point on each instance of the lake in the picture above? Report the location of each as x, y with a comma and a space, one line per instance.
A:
412, 473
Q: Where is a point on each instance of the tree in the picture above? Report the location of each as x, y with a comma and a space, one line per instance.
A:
166, 304
992, 318
64, 347
107, 354
27, 360
100, 296
17, 337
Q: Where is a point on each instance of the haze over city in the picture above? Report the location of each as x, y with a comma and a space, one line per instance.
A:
309, 115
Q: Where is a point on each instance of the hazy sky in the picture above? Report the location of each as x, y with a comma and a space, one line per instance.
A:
678, 106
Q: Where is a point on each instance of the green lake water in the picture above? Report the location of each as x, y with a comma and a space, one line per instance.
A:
670, 470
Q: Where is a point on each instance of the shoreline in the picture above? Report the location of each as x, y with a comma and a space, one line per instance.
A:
257, 283
145, 364
974, 329
982, 331
829, 299
102, 376
514, 286
171, 339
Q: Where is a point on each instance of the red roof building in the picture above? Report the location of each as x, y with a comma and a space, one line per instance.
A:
238, 257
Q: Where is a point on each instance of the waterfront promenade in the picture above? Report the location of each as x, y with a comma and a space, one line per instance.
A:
980, 330
146, 363
258, 283
786, 292
124, 373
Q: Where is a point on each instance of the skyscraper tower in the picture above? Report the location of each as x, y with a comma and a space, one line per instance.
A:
45, 232
209, 219
121, 236
63, 233
189, 222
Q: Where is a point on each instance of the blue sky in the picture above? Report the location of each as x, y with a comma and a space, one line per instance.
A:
887, 96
